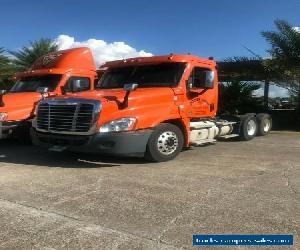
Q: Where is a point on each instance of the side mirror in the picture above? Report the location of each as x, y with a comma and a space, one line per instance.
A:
190, 83
130, 86
42, 90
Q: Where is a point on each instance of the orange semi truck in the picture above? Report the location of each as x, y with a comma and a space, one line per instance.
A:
151, 107
57, 73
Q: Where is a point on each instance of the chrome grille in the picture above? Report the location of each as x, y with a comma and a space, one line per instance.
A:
64, 117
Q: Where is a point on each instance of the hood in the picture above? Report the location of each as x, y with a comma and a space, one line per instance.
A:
141, 102
19, 106
103, 95
117, 95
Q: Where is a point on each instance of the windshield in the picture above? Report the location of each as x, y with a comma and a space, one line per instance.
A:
32, 83
153, 75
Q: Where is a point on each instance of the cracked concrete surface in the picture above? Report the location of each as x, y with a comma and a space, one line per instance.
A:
119, 238
58, 201
288, 182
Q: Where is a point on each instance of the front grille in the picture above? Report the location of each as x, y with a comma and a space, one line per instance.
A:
56, 117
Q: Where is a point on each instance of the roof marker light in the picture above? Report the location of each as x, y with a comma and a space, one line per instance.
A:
171, 56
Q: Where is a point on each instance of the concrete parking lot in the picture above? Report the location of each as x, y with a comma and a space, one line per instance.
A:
58, 201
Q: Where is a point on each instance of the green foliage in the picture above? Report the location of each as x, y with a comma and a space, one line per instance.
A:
6, 70
237, 97
26, 56
240, 59
284, 67
285, 43
242, 68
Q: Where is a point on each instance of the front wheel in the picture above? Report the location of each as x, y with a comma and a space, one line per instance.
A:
165, 143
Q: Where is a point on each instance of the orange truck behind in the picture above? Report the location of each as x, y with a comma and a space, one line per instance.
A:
151, 107
57, 73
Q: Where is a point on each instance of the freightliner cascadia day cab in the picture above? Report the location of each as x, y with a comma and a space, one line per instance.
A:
57, 73
151, 107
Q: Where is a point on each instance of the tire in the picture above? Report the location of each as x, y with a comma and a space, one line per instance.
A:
249, 127
165, 143
264, 122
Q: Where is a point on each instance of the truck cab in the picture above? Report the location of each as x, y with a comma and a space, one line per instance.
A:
67, 71
147, 106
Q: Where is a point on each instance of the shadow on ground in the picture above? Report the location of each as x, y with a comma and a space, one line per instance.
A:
12, 151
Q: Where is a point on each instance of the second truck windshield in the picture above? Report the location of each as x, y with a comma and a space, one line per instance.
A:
32, 83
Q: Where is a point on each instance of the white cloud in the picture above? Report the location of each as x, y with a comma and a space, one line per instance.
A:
102, 50
297, 29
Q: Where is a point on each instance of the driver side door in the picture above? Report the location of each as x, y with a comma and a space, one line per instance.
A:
201, 93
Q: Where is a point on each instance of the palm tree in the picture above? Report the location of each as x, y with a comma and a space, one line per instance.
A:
246, 72
6, 70
284, 65
2, 56
237, 97
285, 43
26, 56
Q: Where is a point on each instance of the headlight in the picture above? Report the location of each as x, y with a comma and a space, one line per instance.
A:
123, 124
3, 117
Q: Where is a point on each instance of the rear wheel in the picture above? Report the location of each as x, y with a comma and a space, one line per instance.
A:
248, 128
264, 122
165, 143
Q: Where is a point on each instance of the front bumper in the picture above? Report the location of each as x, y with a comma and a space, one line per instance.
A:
7, 128
131, 143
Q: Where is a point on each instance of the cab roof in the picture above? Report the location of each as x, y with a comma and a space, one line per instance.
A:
62, 61
159, 59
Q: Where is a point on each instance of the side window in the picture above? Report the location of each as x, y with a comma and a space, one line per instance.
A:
77, 84
201, 78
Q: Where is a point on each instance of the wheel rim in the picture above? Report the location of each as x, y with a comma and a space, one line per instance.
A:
167, 143
251, 127
267, 126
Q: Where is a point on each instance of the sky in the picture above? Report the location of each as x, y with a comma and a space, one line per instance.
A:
126, 28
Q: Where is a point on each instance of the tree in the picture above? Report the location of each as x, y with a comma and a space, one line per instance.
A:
284, 65
242, 76
6, 70
237, 97
26, 56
